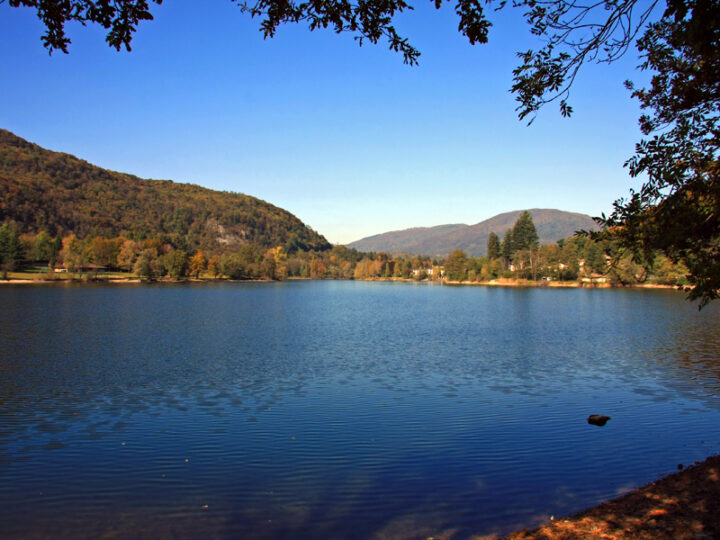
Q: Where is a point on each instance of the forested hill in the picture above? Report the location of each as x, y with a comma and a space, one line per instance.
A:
59, 193
551, 225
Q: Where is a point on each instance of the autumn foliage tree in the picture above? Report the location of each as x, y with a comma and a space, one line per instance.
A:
105, 251
198, 263
213, 266
72, 253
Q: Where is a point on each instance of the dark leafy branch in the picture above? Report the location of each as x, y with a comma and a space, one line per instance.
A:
119, 17
574, 34
367, 20
677, 210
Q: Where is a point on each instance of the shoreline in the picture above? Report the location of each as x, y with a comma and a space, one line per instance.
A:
520, 283
501, 282
682, 505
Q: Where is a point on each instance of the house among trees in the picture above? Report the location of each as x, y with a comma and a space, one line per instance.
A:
84, 267
92, 267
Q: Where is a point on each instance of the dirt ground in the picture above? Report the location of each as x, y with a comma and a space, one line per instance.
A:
684, 505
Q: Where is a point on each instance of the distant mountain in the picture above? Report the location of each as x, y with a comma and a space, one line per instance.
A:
551, 226
59, 193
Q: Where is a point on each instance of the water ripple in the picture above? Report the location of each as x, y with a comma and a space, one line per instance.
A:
340, 409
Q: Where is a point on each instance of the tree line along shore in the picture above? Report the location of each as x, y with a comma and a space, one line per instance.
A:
516, 260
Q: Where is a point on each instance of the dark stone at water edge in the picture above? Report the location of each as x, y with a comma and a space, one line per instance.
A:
598, 419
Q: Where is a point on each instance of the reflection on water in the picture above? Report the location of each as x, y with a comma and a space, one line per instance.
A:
341, 409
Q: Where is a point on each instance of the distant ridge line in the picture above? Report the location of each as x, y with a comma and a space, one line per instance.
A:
551, 224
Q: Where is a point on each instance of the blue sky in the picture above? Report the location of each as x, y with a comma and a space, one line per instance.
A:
349, 139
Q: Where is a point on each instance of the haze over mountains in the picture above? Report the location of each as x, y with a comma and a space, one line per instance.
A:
61, 194
551, 225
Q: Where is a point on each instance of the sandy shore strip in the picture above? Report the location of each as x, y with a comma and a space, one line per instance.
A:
65, 281
500, 282
684, 505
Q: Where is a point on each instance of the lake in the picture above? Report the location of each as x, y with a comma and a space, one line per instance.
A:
341, 409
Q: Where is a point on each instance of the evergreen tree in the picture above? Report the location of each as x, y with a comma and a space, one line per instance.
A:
524, 235
11, 252
508, 245
493, 246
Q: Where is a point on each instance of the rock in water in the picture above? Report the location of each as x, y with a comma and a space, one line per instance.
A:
598, 419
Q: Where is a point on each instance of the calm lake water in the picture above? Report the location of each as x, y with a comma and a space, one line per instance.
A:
341, 409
